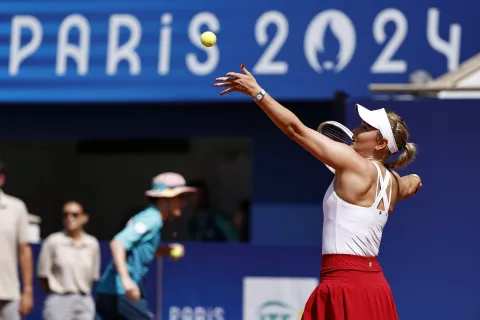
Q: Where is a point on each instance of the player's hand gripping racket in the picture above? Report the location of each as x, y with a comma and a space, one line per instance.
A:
337, 132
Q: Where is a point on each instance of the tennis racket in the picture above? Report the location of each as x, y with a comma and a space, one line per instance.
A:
337, 132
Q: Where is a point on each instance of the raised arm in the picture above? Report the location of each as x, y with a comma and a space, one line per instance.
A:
337, 155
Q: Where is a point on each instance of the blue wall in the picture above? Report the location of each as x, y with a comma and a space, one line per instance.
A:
211, 276
429, 251
430, 244
288, 181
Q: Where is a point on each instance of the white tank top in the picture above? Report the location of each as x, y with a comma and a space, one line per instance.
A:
352, 229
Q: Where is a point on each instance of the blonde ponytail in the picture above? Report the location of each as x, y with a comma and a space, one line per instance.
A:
401, 135
408, 155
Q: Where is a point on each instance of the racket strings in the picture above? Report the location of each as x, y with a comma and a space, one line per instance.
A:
336, 134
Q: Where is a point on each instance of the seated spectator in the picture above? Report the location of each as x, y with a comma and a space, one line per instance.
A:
207, 222
241, 221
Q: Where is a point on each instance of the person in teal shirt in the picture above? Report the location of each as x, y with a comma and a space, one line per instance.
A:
133, 249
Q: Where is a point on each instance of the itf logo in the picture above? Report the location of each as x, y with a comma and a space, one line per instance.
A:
276, 310
342, 28
275, 298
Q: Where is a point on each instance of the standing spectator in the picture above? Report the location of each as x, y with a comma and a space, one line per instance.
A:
207, 222
119, 293
14, 244
68, 266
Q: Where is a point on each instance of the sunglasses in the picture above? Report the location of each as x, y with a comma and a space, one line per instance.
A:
73, 214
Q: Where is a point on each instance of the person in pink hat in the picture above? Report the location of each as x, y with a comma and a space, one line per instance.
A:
133, 249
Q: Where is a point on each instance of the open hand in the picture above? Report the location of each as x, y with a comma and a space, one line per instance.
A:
238, 82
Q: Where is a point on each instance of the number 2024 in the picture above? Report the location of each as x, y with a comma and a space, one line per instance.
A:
384, 62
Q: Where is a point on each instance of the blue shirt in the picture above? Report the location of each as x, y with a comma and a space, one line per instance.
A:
141, 238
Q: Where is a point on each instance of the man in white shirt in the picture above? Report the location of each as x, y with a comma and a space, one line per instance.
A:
14, 244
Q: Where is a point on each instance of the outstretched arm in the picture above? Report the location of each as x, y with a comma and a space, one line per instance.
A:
337, 155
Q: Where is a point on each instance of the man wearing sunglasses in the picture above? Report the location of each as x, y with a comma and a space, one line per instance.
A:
68, 266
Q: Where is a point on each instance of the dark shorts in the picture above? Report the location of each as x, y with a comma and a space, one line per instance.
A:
120, 307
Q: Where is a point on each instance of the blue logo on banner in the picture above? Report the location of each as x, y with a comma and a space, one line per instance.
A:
143, 50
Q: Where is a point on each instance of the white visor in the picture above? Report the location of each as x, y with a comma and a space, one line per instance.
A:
379, 120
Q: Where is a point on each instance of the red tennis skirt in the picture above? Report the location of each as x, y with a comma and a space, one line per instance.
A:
351, 288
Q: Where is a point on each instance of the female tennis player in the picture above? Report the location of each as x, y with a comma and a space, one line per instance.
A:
356, 206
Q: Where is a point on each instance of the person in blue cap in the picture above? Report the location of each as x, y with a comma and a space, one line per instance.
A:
133, 249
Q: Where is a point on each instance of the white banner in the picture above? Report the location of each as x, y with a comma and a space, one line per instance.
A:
269, 298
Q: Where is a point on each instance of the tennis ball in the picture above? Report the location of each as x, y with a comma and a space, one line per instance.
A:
176, 252
208, 38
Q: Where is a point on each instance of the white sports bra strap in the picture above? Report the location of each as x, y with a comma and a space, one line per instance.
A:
379, 179
382, 195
